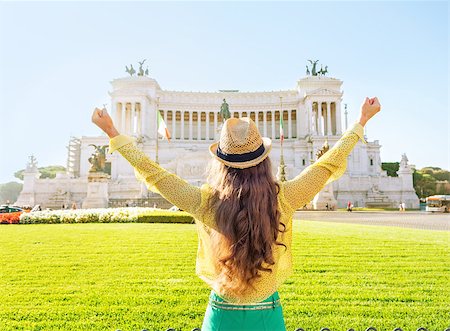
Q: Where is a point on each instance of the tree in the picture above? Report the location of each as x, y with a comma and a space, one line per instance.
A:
46, 172
391, 168
424, 182
10, 192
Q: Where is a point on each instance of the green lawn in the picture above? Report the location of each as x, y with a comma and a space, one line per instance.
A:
136, 276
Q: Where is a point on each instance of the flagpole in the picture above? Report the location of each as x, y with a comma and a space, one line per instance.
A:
281, 119
157, 128
281, 169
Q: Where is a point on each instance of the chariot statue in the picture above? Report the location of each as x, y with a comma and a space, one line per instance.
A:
314, 71
141, 70
130, 70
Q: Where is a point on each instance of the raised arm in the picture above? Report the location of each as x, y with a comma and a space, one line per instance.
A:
329, 167
332, 164
173, 188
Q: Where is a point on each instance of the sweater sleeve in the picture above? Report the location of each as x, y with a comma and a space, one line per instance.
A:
329, 167
174, 189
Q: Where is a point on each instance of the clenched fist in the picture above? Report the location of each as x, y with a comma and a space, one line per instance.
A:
368, 109
101, 118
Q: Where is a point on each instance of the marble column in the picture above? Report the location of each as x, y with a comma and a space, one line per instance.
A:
309, 116
199, 125
164, 116
128, 120
207, 125
320, 119
328, 118
215, 124
289, 123
182, 124
316, 118
114, 112
256, 119
139, 118
191, 115
123, 119
273, 124
133, 118
265, 122
338, 118
174, 122
143, 118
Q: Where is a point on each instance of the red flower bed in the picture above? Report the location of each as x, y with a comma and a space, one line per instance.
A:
10, 218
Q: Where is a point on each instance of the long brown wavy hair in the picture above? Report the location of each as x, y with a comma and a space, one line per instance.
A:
248, 222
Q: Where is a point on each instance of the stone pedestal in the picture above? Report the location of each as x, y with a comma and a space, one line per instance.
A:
377, 199
218, 131
324, 197
97, 191
281, 173
27, 196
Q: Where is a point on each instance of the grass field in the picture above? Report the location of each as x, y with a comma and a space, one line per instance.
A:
136, 276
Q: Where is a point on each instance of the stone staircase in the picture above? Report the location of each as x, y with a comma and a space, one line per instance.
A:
378, 200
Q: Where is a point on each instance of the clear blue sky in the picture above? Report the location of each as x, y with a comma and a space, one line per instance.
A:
57, 59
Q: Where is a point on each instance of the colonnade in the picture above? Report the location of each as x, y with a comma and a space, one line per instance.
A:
325, 118
203, 125
129, 117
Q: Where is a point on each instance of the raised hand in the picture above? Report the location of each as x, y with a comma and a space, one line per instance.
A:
101, 118
368, 109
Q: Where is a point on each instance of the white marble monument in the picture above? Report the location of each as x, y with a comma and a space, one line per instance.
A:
311, 113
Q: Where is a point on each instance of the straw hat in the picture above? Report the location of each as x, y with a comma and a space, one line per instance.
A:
241, 145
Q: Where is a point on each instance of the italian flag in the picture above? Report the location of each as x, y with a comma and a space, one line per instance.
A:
162, 128
281, 127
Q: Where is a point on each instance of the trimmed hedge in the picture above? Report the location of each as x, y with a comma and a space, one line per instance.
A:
106, 215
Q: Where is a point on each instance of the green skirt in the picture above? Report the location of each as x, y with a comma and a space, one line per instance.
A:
223, 316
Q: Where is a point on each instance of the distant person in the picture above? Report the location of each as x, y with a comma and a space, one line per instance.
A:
400, 207
349, 206
74, 205
403, 206
244, 215
36, 208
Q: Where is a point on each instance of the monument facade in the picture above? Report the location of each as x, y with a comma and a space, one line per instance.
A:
311, 112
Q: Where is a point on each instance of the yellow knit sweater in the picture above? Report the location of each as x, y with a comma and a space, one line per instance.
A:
294, 194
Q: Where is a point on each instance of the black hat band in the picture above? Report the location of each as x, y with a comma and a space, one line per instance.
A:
240, 157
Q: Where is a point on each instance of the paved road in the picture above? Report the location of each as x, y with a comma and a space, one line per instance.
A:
407, 219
